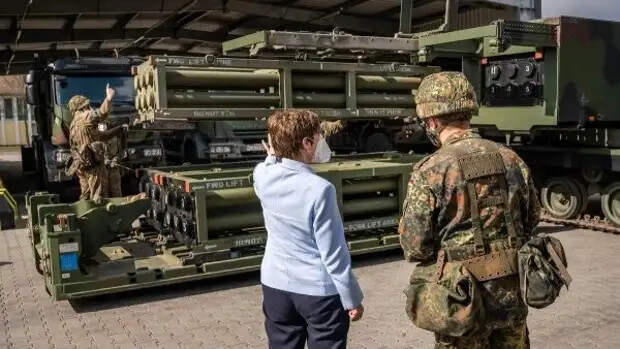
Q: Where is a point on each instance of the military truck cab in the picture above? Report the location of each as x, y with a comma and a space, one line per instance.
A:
50, 85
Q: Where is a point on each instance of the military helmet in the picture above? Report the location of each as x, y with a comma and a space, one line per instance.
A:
77, 102
445, 93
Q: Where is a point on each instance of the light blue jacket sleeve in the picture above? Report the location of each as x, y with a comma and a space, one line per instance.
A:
329, 235
258, 170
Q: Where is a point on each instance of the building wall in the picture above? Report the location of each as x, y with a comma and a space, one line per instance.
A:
15, 121
473, 17
528, 9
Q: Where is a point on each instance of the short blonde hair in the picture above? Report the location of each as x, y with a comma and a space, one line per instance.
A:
289, 127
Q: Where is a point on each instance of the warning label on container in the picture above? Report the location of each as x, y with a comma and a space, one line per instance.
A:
69, 247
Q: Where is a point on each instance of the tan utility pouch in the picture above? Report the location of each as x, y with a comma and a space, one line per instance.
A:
493, 265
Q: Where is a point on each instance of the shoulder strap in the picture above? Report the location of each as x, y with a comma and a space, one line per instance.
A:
477, 165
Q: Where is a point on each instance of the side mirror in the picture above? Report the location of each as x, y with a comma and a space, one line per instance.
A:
32, 87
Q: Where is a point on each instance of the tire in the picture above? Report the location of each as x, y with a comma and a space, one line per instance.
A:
610, 203
561, 198
583, 195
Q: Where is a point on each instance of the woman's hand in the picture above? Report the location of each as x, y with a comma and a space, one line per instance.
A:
356, 313
268, 146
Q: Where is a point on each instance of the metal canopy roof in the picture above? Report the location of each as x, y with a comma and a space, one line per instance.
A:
188, 27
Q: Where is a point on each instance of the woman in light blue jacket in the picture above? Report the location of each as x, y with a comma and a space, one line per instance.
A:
309, 290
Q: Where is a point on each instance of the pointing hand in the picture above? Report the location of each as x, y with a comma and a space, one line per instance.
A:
109, 92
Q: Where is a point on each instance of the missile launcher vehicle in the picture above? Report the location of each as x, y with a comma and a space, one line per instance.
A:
196, 222
548, 88
373, 99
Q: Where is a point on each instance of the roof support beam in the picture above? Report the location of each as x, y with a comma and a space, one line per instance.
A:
71, 22
107, 7
61, 35
122, 21
345, 6
22, 60
349, 22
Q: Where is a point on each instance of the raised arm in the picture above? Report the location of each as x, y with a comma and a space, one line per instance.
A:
104, 109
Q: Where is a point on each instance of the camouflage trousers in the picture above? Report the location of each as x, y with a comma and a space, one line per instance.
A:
94, 183
114, 182
515, 337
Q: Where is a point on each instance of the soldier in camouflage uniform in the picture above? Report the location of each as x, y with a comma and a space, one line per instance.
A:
115, 149
469, 189
87, 145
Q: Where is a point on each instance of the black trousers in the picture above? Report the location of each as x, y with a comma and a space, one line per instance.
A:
292, 318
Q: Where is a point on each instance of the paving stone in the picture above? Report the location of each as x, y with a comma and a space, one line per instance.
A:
226, 313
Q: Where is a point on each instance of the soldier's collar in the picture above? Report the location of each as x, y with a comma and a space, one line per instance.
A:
459, 136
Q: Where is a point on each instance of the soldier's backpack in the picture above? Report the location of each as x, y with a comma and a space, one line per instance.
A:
444, 299
542, 271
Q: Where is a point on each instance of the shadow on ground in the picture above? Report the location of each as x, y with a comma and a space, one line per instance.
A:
552, 229
186, 289
162, 293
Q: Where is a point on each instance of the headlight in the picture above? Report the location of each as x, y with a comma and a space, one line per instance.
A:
152, 152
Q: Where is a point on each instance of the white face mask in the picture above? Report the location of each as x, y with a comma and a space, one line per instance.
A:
322, 153
102, 127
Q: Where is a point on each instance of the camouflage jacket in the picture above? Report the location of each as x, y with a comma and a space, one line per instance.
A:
83, 132
437, 215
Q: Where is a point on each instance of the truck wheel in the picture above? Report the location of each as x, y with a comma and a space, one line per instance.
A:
592, 175
610, 203
583, 194
561, 198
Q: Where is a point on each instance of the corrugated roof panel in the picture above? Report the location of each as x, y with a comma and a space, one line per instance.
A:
471, 18
43, 22
32, 46
203, 25
242, 31
228, 16
203, 50
95, 22
144, 20
74, 45
483, 16
373, 7
5, 23
318, 4
170, 44
112, 44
